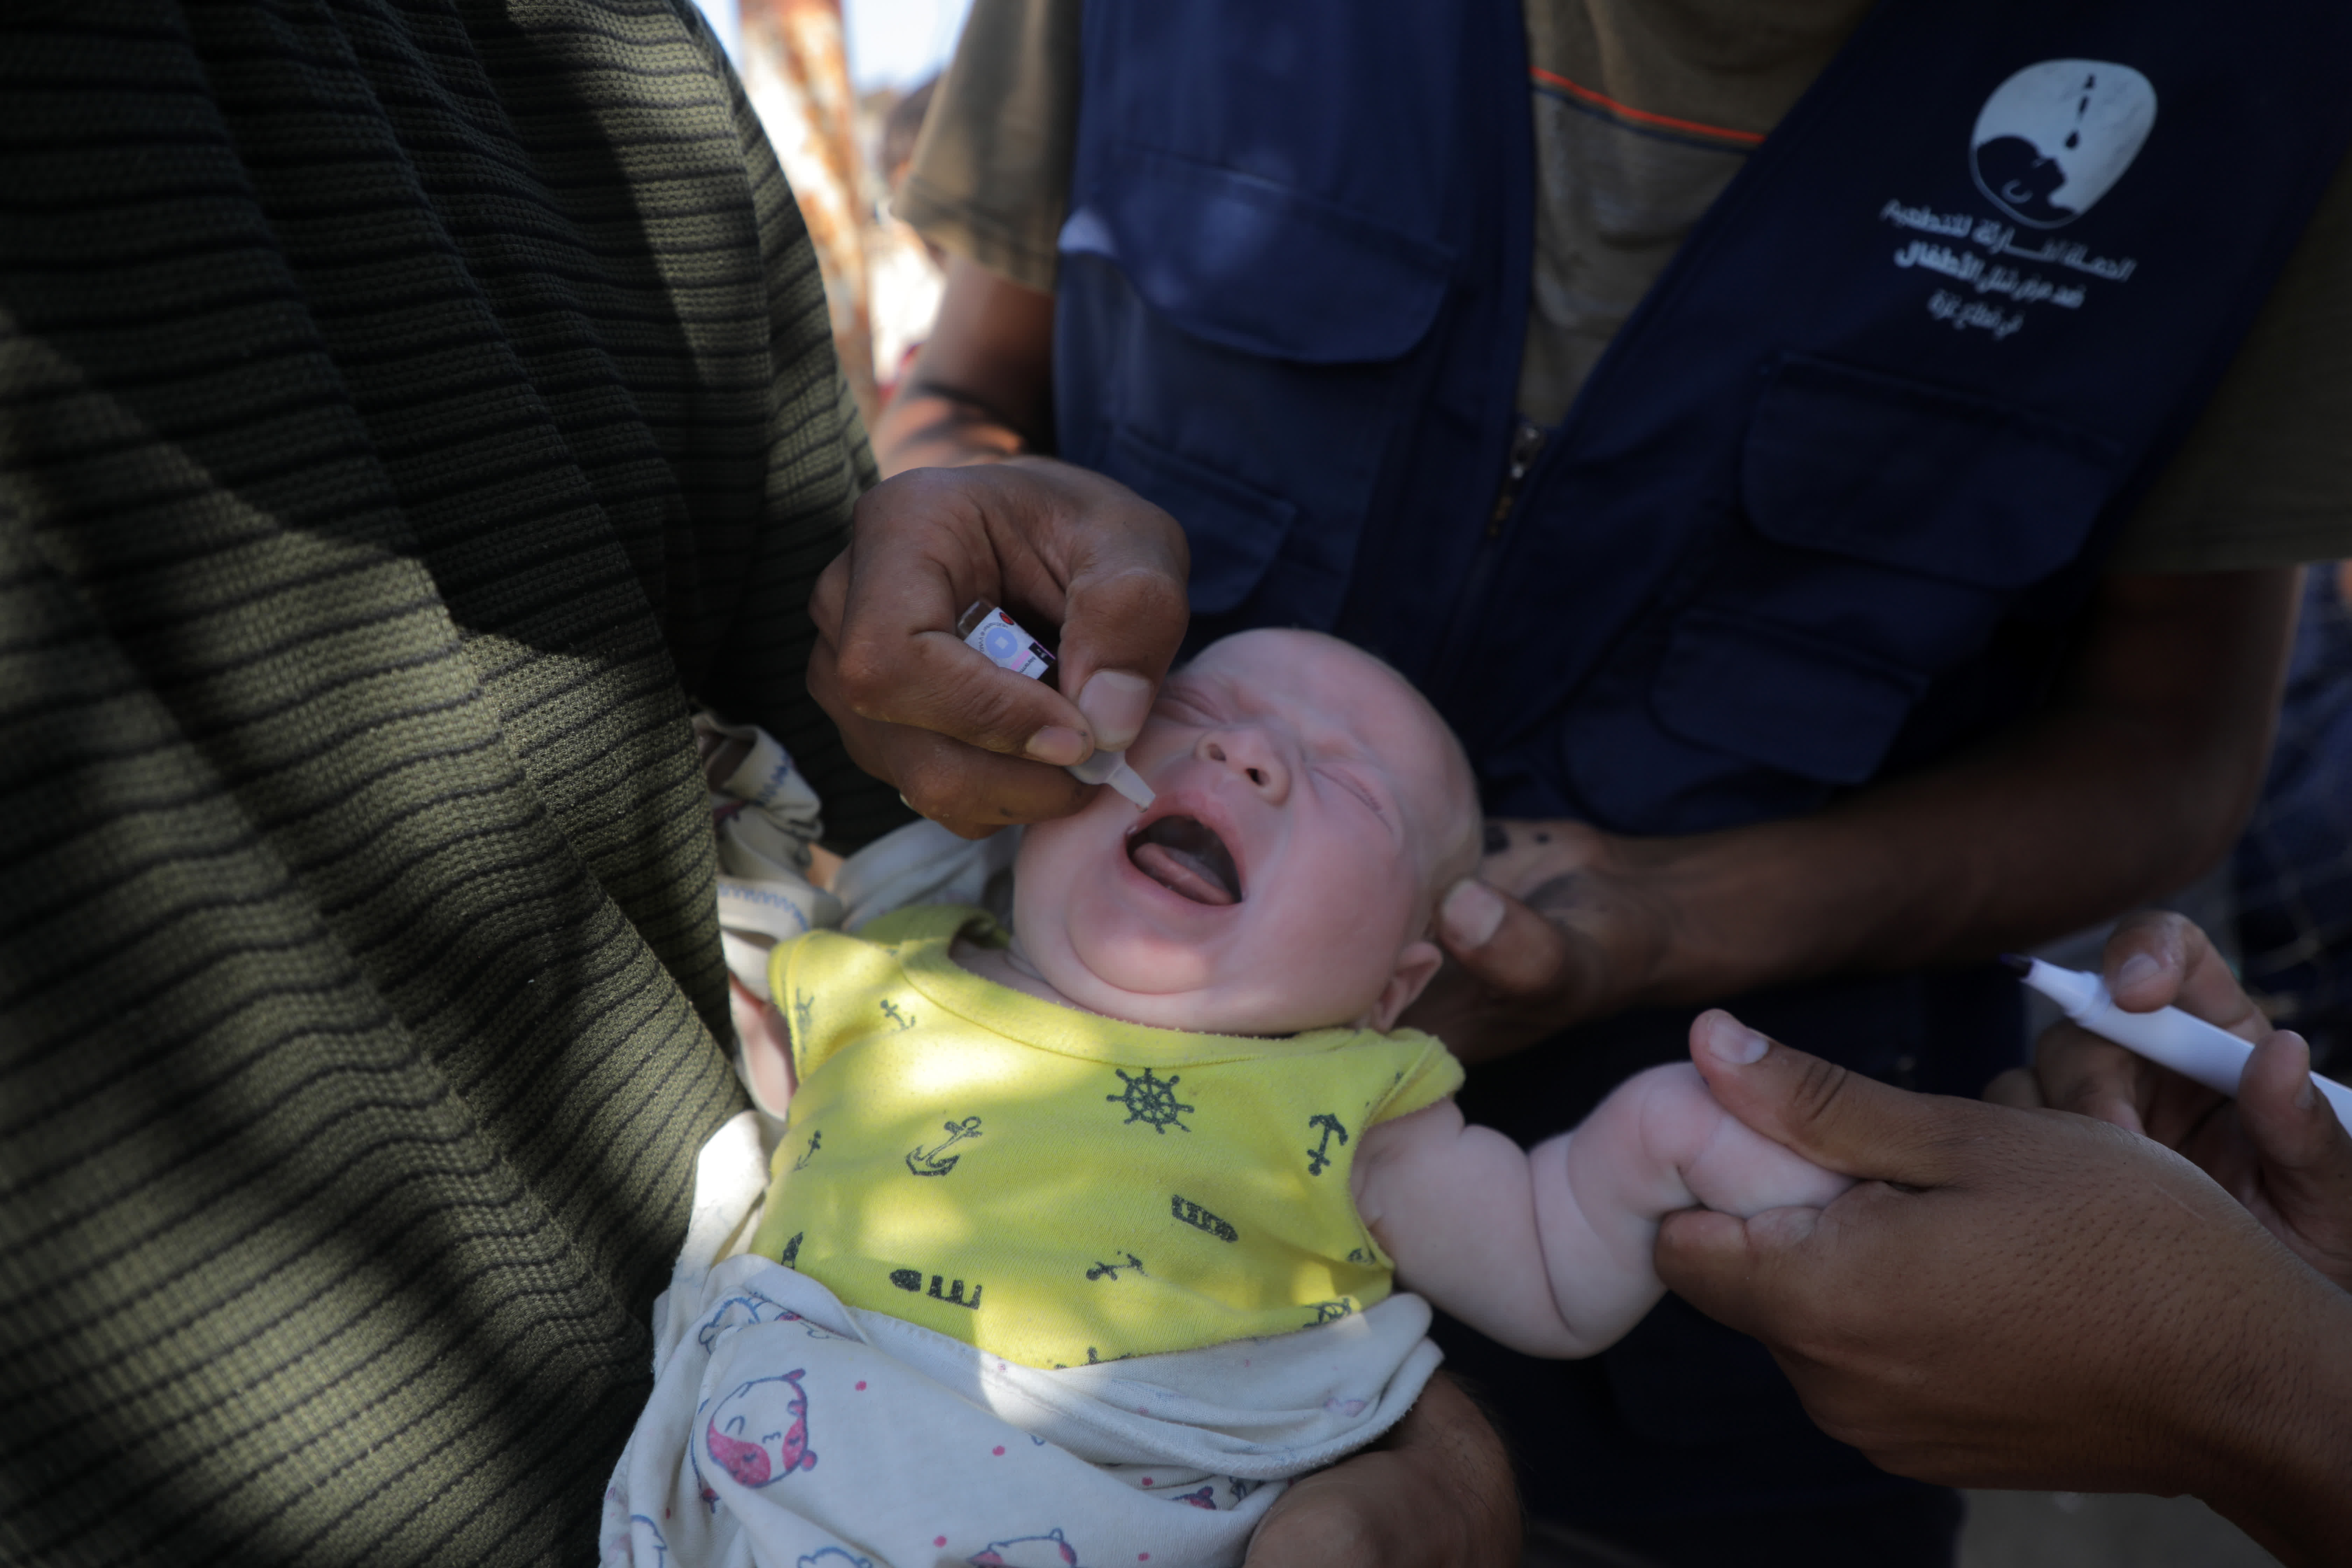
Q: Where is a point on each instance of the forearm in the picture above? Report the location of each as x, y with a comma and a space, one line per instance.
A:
1436, 1492
1526, 1270
981, 388
1550, 1251
2129, 784
1489, 1233
2281, 1449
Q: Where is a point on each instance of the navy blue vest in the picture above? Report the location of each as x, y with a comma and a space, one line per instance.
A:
1822, 508
1826, 511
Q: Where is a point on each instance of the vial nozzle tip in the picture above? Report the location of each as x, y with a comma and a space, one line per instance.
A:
1110, 768
1129, 783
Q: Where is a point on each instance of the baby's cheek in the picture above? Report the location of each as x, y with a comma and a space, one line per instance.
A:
1339, 950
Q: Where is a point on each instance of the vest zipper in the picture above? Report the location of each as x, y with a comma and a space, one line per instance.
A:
1526, 442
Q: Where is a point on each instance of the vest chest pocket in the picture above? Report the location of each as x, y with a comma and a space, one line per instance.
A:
1917, 478
1251, 264
1235, 530
1250, 321
1889, 527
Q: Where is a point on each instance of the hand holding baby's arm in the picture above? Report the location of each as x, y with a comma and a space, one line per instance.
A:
1549, 1250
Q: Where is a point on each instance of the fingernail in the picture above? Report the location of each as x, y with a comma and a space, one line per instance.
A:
1733, 1042
2136, 968
1471, 914
1057, 745
1116, 703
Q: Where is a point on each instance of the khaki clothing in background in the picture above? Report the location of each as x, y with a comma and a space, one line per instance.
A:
1643, 111
404, 408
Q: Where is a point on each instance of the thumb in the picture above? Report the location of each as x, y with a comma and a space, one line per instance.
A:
1117, 565
2306, 1154
1834, 1117
1499, 941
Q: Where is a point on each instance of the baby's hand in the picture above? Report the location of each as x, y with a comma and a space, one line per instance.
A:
1728, 1165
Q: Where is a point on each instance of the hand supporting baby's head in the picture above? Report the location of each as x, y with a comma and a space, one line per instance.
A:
1311, 807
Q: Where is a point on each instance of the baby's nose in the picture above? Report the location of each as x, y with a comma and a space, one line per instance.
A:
1250, 754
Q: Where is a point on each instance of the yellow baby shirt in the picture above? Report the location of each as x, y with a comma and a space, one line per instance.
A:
1058, 1188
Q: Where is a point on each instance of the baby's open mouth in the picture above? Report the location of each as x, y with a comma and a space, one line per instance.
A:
1185, 855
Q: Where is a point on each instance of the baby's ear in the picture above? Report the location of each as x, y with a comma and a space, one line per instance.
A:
1416, 966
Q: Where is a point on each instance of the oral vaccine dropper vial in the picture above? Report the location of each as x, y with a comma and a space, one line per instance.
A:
2192, 1048
1000, 639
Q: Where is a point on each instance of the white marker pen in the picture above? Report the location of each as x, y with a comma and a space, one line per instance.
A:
1000, 639
2170, 1037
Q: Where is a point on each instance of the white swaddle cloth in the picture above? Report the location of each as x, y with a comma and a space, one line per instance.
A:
787, 1428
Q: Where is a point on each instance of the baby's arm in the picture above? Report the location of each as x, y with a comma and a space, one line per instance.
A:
1549, 1250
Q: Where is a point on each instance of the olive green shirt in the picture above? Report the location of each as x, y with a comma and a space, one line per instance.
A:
404, 408
1643, 111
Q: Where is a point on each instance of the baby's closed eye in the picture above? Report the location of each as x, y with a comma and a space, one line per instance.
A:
1350, 784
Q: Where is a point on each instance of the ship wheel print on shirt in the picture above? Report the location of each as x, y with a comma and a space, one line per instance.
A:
1150, 1100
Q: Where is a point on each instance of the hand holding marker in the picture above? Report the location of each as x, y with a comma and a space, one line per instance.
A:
1000, 639
2170, 1037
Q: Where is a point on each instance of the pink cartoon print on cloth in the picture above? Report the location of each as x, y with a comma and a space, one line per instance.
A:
1046, 1551
759, 1433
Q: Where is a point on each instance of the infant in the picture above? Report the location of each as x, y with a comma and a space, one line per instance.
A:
1068, 1229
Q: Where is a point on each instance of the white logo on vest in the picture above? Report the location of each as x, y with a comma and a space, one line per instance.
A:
2055, 137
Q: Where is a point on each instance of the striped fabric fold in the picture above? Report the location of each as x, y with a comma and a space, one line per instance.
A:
406, 411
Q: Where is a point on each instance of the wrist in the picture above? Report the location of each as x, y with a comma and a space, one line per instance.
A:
930, 427
1725, 917
2276, 1438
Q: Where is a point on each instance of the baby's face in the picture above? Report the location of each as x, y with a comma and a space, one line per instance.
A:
1307, 799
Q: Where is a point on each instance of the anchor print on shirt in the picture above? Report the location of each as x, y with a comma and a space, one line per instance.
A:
816, 1142
759, 1434
912, 1279
927, 1161
1111, 1271
1318, 1156
1150, 1100
891, 1011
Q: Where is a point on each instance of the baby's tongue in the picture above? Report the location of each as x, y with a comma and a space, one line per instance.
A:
1183, 873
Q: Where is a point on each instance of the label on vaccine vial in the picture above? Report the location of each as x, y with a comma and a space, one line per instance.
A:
1000, 639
